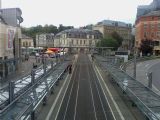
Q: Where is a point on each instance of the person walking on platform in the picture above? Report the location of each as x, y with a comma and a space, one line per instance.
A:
70, 69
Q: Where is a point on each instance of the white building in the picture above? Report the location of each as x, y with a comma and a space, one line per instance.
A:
45, 40
77, 38
10, 40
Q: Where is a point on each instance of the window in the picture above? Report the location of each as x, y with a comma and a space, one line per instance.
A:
152, 26
30, 44
145, 34
90, 42
26, 44
84, 42
152, 34
72, 42
23, 44
159, 26
80, 42
145, 26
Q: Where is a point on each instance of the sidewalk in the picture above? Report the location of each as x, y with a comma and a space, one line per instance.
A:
24, 70
142, 72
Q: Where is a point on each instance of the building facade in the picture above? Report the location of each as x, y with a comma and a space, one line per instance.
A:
107, 27
148, 27
10, 40
26, 41
145, 9
45, 40
79, 38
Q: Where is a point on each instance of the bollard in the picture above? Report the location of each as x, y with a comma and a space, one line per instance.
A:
135, 67
44, 67
125, 67
33, 115
51, 64
150, 80
33, 76
11, 91
44, 101
52, 90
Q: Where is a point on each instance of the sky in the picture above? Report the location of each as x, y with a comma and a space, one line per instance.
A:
75, 13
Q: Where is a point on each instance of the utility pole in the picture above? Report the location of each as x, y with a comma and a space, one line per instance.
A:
150, 80
135, 64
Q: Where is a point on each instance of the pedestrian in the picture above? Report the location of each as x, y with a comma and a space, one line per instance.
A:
70, 69
92, 57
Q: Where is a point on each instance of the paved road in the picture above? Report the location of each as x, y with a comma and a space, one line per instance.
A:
84, 99
143, 68
155, 75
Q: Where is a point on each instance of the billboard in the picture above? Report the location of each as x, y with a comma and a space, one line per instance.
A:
10, 37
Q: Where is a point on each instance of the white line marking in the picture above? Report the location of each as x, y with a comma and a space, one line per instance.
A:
93, 100
77, 95
106, 98
100, 98
146, 65
115, 104
54, 104
92, 96
68, 101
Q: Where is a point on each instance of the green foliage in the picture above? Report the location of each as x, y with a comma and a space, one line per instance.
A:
114, 40
62, 28
108, 42
146, 46
117, 37
32, 31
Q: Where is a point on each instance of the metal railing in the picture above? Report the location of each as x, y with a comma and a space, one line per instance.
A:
23, 105
21, 85
143, 97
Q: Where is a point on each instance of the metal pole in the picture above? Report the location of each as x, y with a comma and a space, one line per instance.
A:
33, 115
150, 80
33, 76
11, 91
44, 66
135, 65
52, 64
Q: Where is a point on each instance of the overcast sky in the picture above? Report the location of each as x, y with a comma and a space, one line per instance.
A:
75, 12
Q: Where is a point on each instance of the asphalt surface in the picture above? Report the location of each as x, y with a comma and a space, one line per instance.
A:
155, 75
84, 99
143, 68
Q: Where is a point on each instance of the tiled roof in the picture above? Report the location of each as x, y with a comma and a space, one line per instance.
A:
153, 13
25, 37
113, 23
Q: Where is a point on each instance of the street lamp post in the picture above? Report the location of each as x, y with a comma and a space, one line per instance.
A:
135, 64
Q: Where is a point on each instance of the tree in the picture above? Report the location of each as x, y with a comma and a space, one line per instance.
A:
62, 28
32, 31
146, 46
117, 37
108, 42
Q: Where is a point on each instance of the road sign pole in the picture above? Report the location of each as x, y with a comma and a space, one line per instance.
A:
135, 65
33, 115
33, 76
11, 91
150, 80
44, 66
52, 64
